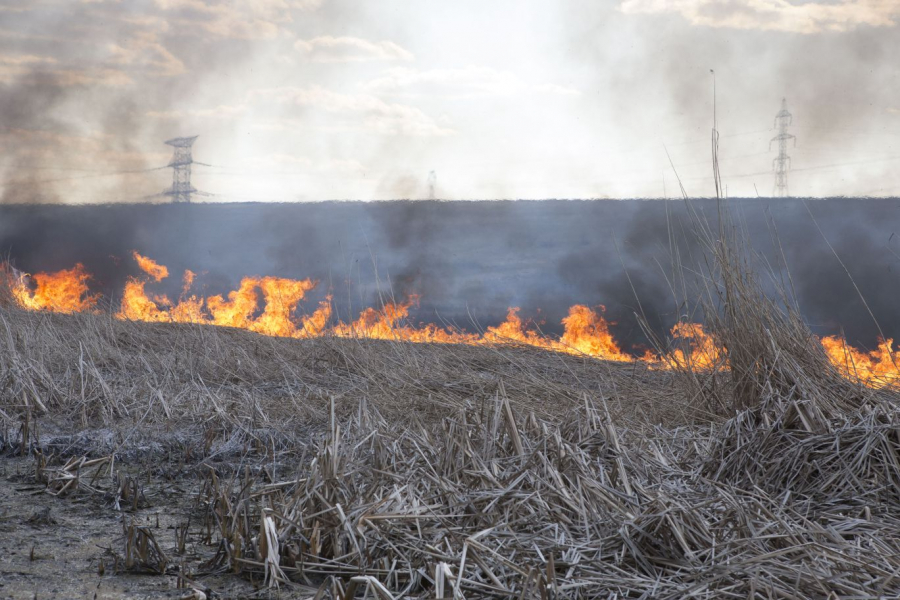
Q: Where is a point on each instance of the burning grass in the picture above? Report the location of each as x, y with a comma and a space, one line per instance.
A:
350, 467
271, 306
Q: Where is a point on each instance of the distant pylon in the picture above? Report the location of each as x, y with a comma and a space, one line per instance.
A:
432, 185
181, 166
782, 163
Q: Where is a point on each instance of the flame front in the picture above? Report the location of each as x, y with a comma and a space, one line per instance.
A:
241, 308
878, 368
270, 305
149, 266
695, 347
65, 291
587, 332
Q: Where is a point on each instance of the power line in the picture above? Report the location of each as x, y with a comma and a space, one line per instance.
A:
22, 167
236, 172
814, 168
79, 177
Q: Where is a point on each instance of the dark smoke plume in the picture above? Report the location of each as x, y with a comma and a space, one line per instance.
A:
473, 260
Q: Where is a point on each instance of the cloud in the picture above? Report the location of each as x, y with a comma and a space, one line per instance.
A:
25, 59
242, 19
69, 148
90, 77
12, 67
46, 69
344, 112
775, 15
12, 7
144, 51
223, 111
305, 164
350, 49
552, 88
467, 81
66, 60
360, 112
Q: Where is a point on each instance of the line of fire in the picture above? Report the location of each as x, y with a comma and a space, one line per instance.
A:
271, 306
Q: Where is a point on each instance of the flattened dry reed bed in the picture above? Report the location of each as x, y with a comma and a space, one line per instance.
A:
500, 505
135, 385
455, 471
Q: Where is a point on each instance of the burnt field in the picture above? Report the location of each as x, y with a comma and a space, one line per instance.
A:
189, 460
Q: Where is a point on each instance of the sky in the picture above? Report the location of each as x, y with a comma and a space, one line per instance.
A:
305, 100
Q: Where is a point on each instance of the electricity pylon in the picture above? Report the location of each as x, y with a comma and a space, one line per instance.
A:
181, 169
782, 163
432, 185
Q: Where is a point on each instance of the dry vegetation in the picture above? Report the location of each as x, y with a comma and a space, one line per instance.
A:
389, 469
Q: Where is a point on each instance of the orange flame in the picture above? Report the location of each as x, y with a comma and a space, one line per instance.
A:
136, 306
65, 291
878, 368
390, 323
157, 271
268, 305
697, 348
587, 332
281, 297
513, 329
315, 324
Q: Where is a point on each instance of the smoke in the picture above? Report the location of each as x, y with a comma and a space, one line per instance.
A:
29, 106
578, 110
840, 87
863, 234
470, 261
80, 83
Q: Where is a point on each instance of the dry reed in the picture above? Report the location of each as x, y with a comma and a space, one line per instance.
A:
398, 470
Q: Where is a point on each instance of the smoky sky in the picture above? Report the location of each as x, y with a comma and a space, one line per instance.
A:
469, 261
335, 99
839, 85
311, 100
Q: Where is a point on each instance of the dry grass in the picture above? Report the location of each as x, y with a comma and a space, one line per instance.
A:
208, 389
501, 505
6, 297
456, 471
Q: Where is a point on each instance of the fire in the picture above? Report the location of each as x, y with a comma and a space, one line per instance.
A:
241, 308
878, 368
587, 332
271, 306
696, 348
136, 306
377, 324
157, 271
65, 291
315, 324
281, 298
514, 329
390, 323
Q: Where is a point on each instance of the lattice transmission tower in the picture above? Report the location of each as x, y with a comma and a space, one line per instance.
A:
432, 185
181, 189
782, 163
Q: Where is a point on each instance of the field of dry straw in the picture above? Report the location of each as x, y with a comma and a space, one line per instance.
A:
341, 468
